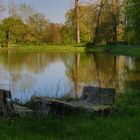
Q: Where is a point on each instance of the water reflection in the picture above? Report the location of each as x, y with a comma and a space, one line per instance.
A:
64, 74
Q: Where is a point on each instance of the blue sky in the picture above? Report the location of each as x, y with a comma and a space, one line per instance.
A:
54, 10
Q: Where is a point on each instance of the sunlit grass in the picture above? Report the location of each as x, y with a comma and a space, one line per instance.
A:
116, 50
48, 48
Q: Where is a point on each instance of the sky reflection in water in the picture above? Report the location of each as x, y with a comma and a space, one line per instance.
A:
64, 74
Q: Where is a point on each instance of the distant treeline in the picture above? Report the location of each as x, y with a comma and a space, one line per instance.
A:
99, 22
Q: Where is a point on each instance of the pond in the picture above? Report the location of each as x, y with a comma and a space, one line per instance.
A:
63, 75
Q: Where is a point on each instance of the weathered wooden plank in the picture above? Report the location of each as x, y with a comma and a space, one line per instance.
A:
44, 104
22, 111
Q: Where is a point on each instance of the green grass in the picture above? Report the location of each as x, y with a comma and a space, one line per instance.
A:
98, 49
124, 50
71, 128
56, 48
122, 123
116, 50
49, 48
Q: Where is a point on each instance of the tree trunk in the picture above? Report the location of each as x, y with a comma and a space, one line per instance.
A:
8, 40
115, 10
102, 3
77, 21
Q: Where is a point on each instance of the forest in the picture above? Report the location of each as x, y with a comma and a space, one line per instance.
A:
97, 22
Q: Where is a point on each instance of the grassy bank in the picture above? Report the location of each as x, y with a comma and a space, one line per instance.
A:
48, 48
56, 48
124, 50
116, 50
122, 123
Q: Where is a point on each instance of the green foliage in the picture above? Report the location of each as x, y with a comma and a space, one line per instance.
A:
12, 27
53, 33
36, 25
67, 35
133, 18
26, 26
124, 50
86, 23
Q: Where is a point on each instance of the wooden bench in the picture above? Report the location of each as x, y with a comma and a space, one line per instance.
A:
97, 95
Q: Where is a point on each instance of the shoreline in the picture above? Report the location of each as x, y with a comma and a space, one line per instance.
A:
114, 50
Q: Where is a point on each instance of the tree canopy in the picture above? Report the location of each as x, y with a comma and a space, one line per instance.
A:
97, 22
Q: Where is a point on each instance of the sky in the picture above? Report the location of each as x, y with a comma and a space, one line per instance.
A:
54, 10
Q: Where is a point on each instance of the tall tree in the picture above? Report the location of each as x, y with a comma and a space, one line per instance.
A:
132, 21
77, 21
115, 18
36, 25
12, 29
87, 17
109, 24
53, 33
102, 3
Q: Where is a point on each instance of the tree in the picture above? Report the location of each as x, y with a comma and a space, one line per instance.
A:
67, 35
132, 21
36, 24
115, 14
12, 30
77, 21
53, 33
87, 17
109, 24
102, 3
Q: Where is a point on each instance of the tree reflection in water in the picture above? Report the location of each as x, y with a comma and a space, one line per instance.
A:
64, 74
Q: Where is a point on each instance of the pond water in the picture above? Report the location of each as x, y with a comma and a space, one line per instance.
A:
63, 75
